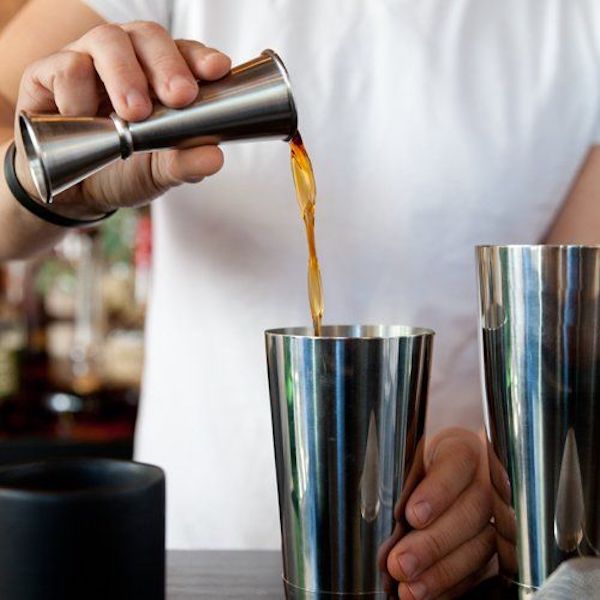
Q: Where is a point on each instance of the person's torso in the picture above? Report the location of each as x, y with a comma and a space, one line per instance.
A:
432, 126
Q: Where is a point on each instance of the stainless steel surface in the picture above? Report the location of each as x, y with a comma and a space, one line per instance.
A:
254, 101
348, 412
540, 317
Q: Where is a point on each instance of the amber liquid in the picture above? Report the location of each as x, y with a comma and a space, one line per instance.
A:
306, 194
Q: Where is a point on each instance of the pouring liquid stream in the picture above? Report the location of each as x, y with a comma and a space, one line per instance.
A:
306, 194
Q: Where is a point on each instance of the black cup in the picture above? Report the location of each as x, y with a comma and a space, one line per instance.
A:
82, 529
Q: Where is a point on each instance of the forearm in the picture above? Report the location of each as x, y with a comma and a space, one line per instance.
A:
578, 221
22, 234
38, 30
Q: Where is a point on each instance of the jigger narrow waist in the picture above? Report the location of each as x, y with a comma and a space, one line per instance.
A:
125, 137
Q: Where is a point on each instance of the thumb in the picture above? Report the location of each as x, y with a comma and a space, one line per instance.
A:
189, 165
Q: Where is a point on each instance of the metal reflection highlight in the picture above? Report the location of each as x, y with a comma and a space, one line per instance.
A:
348, 414
540, 309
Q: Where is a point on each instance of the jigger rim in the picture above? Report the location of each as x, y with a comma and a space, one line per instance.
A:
40, 177
353, 332
286, 78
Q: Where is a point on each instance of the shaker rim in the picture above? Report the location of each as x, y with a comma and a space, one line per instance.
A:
353, 332
537, 246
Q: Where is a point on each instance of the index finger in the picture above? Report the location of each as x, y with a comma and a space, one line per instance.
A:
167, 71
207, 64
454, 462
119, 69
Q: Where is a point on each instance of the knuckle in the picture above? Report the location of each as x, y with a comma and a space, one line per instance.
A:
123, 70
483, 547
466, 560
477, 508
435, 545
29, 71
148, 28
75, 66
445, 575
466, 455
444, 489
483, 543
105, 33
191, 44
488, 538
168, 62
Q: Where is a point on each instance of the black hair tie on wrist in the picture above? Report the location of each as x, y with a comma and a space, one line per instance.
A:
39, 210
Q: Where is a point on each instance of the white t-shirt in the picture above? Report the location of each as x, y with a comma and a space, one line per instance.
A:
433, 126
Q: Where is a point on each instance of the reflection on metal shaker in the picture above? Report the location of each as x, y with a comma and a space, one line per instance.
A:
540, 326
348, 413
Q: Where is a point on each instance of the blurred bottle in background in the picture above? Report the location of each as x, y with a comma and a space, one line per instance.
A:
13, 344
126, 290
71, 334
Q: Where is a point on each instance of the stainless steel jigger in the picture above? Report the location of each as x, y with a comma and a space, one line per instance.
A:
540, 322
348, 412
254, 101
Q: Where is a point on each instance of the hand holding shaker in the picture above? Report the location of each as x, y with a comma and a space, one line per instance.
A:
254, 101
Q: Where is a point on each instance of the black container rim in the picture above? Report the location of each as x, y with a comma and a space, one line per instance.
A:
130, 477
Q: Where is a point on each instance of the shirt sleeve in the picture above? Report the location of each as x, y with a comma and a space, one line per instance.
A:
122, 11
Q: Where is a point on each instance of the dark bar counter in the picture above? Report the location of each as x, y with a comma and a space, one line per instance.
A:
229, 575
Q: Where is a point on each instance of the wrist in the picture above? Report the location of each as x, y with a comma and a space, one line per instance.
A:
41, 209
22, 234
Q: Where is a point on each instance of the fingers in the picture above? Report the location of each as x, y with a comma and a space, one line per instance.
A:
146, 176
116, 63
135, 57
47, 77
205, 63
453, 569
71, 78
420, 549
185, 166
471, 581
129, 60
454, 462
507, 554
166, 69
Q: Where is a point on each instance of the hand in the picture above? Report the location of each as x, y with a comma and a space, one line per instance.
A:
453, 541
119, 67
